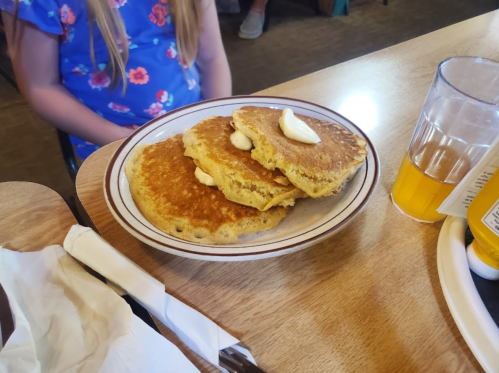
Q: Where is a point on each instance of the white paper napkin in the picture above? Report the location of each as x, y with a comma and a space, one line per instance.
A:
198, 332
68, 321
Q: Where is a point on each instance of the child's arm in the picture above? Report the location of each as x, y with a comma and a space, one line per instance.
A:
35, 57
211, 60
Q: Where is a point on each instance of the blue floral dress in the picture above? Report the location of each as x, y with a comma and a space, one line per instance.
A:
157, 82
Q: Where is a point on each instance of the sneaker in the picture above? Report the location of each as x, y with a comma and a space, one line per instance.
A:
252, 26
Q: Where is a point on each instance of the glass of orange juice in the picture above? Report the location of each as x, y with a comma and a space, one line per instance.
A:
459, 122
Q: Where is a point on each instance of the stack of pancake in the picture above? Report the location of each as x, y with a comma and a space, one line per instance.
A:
254, 189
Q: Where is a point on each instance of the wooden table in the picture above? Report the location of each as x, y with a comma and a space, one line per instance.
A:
32, 216
369, 298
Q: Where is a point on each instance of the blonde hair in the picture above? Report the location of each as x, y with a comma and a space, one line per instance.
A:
186, 16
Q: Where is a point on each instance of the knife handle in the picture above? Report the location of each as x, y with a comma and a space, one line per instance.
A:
140, 312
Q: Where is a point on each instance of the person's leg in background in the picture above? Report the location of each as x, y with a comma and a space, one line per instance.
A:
252, 26
228, 6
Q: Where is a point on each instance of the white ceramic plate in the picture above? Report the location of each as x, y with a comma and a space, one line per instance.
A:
465, 304
310, 221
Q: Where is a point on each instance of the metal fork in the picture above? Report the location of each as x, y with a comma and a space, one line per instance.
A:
235, 361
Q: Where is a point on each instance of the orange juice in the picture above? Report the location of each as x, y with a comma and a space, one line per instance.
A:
483, 219
417, 194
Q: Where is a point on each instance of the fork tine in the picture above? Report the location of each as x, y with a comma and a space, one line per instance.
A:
236, 362
234, 351
236, 354
227, 362
228, 357
226, 367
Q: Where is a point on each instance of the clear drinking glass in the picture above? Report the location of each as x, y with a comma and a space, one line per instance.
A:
459, 122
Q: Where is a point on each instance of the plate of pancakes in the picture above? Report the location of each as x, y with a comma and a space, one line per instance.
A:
275, 197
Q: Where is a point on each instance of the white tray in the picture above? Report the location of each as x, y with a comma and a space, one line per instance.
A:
465, 304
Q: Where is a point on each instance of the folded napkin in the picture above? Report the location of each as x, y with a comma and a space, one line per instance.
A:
198, 332
66, 320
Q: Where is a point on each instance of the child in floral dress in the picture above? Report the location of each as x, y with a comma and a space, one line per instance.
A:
98, 69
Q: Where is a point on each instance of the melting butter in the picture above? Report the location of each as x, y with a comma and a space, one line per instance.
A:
296, 129
203, 177
241, 141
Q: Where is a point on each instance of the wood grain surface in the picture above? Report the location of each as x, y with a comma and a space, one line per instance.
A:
32, 216
369, 298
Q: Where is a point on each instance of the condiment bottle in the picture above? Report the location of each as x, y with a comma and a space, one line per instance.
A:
483, 219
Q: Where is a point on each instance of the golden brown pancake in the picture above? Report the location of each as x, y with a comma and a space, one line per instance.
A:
167, 193
237, 175
318, 169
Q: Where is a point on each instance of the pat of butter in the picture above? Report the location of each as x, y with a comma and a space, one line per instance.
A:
203, 177
241, 141
296, 129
